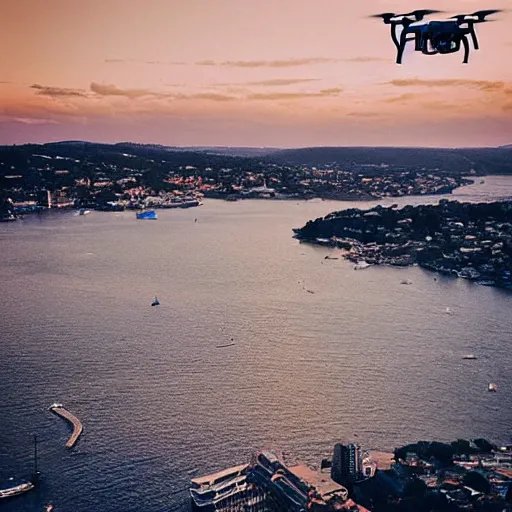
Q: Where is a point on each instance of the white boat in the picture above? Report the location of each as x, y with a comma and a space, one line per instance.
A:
360, 265
15, 490
492, 388
469, 356
55, 405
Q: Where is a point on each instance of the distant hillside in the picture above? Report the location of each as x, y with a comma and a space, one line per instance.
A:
370, 160
136, 156
482, 160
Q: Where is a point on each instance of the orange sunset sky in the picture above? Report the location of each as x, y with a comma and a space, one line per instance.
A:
277, 73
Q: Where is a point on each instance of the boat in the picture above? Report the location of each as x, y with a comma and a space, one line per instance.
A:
492, 388
83, 211
155, 302
360, 265
17, 487
147, 215
469, 356
55, 405
405, 281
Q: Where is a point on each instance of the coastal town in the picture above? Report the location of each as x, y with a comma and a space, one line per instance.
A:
464, 475
471, 241
114, 178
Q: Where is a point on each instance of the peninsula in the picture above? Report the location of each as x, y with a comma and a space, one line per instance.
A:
471, 241
112, 177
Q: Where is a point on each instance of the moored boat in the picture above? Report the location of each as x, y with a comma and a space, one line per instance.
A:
15, 489
147, 215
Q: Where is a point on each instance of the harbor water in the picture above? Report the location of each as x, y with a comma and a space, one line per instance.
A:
237, 357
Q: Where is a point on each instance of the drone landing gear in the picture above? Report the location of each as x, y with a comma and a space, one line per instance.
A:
403, 42
473, 36
465, 43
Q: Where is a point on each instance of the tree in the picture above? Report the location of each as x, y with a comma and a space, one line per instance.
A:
477, 481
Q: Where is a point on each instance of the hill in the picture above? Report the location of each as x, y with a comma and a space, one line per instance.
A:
482, 160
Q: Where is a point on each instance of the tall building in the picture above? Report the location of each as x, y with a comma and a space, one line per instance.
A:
346, 463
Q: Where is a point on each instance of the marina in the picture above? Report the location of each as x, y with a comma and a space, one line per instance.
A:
71, 418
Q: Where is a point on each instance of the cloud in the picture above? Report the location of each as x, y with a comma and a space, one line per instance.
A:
295, 95
33, 121
55, 92
401, 99
363, 114
268, 63
484, 85
113, 90
281, 81
205, 96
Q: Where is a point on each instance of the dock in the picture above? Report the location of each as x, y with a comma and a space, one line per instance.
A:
71, 418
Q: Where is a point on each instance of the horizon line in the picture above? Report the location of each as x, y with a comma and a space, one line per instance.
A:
282, 148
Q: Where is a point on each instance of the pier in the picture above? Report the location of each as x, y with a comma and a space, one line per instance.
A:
71, 418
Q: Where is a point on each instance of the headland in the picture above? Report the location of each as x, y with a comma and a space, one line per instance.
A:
471, 241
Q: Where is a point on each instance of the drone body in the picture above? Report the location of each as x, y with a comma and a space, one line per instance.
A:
434, 37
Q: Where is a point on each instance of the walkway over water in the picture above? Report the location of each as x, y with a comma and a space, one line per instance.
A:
77, 425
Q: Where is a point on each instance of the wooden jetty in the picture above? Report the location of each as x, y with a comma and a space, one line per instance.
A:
77, 425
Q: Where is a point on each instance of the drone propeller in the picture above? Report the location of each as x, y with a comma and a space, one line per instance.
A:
386, 16
421, 13
480, 15
418, 15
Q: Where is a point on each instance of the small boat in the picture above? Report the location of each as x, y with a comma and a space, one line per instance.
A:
448, 311
361, 265
48, 508
147, 215
405, 281
492, 388
16, 490
55, 405
83, 211
155, 302
469, 356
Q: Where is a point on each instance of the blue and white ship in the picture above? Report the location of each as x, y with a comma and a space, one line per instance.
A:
148, 214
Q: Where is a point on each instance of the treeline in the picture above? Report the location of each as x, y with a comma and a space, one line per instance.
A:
481, 160
443, 452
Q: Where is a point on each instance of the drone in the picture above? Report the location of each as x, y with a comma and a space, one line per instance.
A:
432, 37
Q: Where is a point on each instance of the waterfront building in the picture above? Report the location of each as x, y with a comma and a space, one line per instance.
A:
229, 491
267, 485
346, 464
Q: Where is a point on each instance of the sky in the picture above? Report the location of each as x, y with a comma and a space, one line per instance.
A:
274, 73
